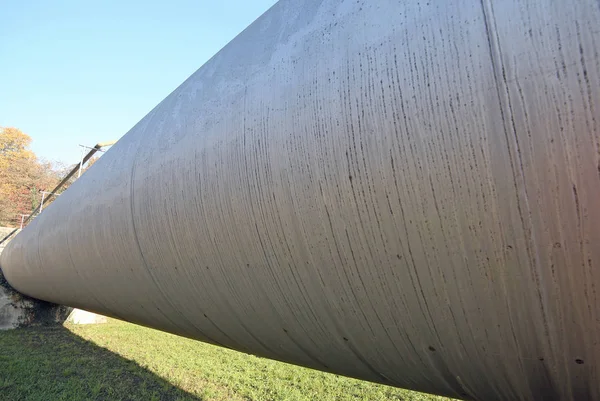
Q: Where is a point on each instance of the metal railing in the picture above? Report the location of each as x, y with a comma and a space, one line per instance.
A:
46, 199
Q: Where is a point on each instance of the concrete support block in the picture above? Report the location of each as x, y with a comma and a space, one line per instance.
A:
18, 310
79, 316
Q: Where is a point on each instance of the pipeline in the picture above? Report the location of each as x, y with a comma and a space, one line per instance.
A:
404, 192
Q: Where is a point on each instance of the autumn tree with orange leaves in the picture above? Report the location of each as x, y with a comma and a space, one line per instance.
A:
22, 176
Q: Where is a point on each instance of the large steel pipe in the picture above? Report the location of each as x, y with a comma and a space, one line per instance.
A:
400, 191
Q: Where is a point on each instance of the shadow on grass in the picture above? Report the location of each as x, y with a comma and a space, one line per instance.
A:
51, 363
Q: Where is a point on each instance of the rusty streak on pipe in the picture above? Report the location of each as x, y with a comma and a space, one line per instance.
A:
400, 191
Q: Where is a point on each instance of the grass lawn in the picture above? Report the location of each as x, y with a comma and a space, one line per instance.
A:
122, 361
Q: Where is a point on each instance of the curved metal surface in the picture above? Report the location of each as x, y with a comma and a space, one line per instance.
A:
404, 192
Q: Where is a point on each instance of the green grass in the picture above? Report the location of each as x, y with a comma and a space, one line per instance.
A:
122, 361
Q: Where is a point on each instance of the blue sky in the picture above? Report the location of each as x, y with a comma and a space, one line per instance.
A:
80, 72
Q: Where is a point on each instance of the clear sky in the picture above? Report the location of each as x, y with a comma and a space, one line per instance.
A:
81, 72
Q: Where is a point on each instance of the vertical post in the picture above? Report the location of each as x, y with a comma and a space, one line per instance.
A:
81, 160
42, 203
22, 220
43, 197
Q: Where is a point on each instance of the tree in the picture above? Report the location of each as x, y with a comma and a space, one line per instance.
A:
22, 176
